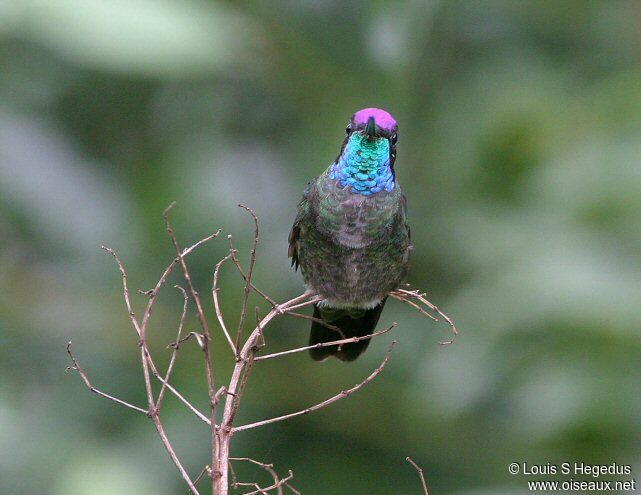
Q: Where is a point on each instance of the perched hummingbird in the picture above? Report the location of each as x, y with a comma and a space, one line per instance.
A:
351, 238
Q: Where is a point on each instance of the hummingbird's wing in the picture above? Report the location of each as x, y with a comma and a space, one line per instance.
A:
294, 234
404, 211
292, 250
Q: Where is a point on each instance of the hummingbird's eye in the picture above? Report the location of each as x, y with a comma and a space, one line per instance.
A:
348, 129
394, 138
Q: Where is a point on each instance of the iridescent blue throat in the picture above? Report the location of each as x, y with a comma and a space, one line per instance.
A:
364, 166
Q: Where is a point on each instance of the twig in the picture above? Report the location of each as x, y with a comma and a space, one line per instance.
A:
316, 320
172, 360
331, 400
200, 338
139, 330
76, 366
239, 484
207, 470
84, 378
248, 279
147, 314
403, 298
405, 295
145, 358
420, 473
326, 344
219, 314
182, 399
248, 364
123, 275
278, 483
172, 454
292, 489
262, 342
234, 258
211, 389
153, 293
194, 294
226, 431
267, 467
246, 354
311, 301
275, 485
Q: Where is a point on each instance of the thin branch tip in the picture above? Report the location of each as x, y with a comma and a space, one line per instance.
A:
168, 209
420, 473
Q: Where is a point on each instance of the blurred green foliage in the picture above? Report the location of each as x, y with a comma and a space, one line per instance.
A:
520, 154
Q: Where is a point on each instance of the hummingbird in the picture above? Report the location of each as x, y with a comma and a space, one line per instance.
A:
351, 238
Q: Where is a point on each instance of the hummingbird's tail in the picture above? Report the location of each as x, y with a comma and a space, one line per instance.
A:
351, 322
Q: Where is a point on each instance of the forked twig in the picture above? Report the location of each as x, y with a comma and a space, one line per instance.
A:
153, 293
234, 258
275, 485
83, 376
350, 340
182, 399
406, 296
316, 320
206, 470
331, 400
248, 279
211, 390
144, 354
269, 468
176, 345
123, 276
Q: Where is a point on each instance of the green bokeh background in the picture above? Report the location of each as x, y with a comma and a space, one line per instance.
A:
520, 154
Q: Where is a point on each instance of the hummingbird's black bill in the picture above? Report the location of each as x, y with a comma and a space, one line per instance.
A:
370, 130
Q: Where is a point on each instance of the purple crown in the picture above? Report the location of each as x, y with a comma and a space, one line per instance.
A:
383, 119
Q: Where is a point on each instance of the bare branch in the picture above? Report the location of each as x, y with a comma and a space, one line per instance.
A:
192, 290
260, 490
262, 342
153, 415
144, 353
200, 339
292, 489
206, 470
420, 473
172, 454
180, 397
211, 390
316, 320
231, 404
83, 376
331, 400
350, 340
214, 292
275, 485
403, 298
153, 293
311, 301
245, 353
267, 467
234, 259
176, 345
406, 296
123, 274
248, 279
